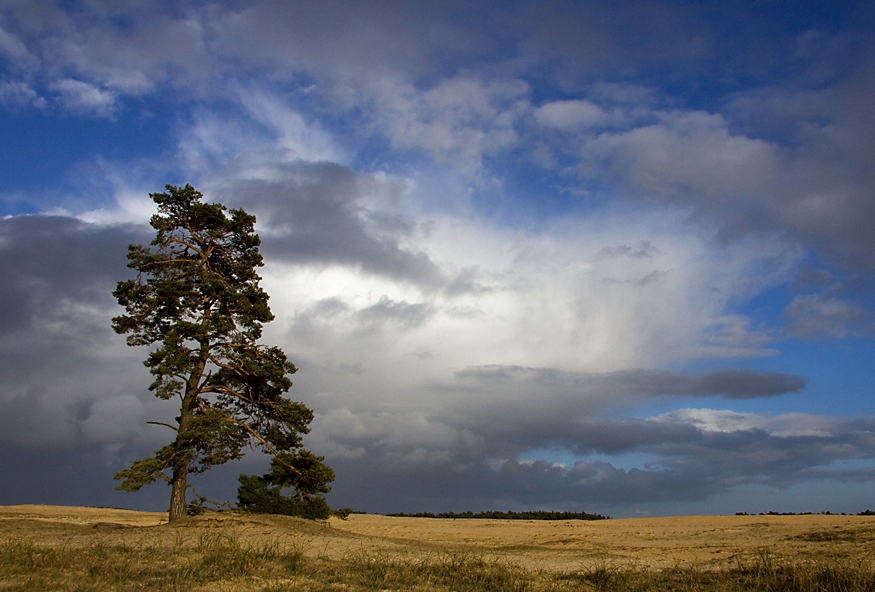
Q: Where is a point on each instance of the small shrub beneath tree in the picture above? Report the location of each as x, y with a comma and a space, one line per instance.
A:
260, 496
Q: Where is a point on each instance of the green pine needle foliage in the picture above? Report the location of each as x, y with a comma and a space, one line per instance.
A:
196, 300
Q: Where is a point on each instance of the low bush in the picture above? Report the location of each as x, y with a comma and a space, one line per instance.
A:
257, 495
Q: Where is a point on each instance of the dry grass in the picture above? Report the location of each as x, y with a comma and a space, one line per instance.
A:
112, 550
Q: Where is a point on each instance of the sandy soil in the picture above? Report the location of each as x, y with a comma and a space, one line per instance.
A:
706, 541
77, 515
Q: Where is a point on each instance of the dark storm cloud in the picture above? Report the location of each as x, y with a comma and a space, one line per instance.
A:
810, 183
55, 339
515, 408
587, 486
686, 463
820, 315
583, 40
315, 215
741, 384
63, 476
730, 384
45, 260
508, 435
311, 324
470, 450
351, 38
190, 43
755, 455
83, 60
81, 474
391, 311
641, 250
832, 202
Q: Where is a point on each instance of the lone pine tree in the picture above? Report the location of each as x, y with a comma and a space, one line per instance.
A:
197, 297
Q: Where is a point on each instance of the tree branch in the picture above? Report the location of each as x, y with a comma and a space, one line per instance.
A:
175, 429
266, 444
173, 239
227, 504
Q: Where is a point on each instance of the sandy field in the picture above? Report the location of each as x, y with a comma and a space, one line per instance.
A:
706, 541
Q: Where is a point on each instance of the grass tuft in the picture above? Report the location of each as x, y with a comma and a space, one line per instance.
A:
763, 573
98, 565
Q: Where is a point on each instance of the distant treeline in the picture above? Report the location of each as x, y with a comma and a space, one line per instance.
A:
534, 515
827, 513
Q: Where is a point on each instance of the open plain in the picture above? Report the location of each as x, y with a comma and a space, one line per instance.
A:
545, 551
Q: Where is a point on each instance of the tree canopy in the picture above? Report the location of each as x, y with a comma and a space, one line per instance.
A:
197, 298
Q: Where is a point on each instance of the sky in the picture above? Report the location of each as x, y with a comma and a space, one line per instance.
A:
584, 256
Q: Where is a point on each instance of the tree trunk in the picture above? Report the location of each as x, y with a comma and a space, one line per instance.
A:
178, 487
179, 480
